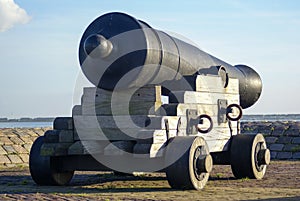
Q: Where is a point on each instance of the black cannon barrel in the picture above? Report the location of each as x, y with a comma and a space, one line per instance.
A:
116, 44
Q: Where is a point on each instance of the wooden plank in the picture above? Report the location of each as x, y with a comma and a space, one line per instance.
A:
160, 122
66, 136
149, 150
118, 148
134, 108
206, 123
77, 110
115, 134
214, 84
215, 134
77, 149
149, 93
180, 109
51, 136
154, 136
87, 147
76, 137
55, 136
55, 149
63, 123
141, 150
106, 134
125, 121
201, 97
88, 128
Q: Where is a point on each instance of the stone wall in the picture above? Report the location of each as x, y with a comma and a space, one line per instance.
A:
283, 139
15, 145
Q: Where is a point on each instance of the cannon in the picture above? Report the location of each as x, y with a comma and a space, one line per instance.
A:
160, 104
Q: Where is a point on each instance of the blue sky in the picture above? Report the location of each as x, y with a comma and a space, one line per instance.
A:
39, 63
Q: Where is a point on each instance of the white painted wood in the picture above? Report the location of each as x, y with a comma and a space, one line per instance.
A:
214, 84
202, 97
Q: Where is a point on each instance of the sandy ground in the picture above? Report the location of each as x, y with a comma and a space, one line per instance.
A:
282, 182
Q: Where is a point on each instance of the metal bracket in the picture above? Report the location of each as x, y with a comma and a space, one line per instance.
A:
192, 121
222, 111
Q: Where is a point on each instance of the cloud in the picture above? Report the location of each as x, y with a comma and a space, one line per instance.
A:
11, 14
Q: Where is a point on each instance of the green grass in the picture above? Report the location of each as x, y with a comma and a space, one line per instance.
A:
24, 182
245, 179
295, 149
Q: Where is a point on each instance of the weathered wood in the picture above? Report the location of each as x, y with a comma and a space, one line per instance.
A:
148, 93
66, 136
55, 149
55, 136
205, 123
155, 136
214, 134
118, 148
142, 150
131, 124
77, 149
51, 136
77, 110
133, 108
143, 101
63, 123
214, 84
103, 127
201, 97
157, 150
88, 134
125, 121
163, 122
106, 134
87, 147
76, 137
180, 109
149, 150
88, 128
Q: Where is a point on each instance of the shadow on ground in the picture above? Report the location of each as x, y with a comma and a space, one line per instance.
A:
83, 184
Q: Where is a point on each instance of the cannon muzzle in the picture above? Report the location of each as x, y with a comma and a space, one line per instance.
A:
116, 44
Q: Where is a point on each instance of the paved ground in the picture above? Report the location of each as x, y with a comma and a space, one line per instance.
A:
282, 182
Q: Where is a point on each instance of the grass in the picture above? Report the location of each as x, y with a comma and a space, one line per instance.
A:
245, 179
24, 182
219, 175
295, 149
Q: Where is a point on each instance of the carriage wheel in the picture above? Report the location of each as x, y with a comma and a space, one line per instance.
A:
190, 162
249, 156
41, 167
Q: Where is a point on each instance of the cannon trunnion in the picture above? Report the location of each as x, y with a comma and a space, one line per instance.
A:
159, 105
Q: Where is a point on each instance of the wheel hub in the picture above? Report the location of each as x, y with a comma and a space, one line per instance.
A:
262, 156
203, 163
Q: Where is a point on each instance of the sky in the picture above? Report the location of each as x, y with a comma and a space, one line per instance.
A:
39, 42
